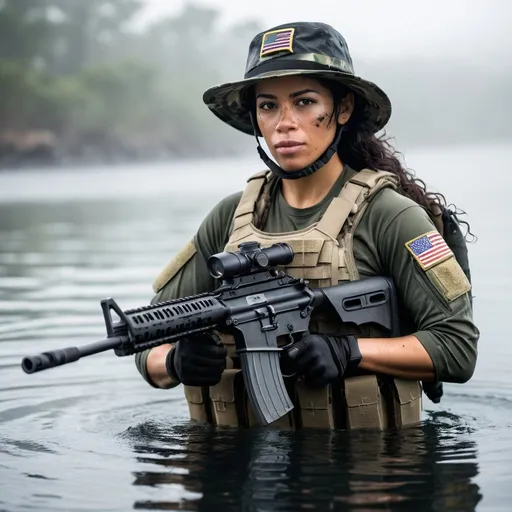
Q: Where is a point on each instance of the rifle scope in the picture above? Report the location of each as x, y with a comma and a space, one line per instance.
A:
250, 258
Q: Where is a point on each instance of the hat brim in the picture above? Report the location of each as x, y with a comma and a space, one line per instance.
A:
225, 100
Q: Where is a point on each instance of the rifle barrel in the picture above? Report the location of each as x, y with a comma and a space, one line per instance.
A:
52, 358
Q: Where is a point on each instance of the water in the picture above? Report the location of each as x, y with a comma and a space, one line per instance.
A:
93, 436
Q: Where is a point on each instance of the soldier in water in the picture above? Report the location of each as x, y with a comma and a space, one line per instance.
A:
340, 197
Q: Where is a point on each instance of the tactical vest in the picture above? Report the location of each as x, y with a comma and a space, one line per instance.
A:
323, 256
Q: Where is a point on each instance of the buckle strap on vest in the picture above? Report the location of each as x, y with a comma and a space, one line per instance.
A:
338, 211
355, 191
247, 205
372, 182
369, 182
368, 178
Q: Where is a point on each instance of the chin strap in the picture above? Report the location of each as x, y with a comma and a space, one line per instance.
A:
301, 173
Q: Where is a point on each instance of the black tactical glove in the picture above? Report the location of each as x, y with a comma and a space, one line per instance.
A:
197, 360
434, 390
321, 359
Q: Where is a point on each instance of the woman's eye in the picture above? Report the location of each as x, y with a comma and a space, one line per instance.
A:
266, 106
305, 102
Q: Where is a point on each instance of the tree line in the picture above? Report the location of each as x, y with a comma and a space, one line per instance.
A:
80, 81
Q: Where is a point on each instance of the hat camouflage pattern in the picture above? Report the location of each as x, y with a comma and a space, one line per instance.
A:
303, 48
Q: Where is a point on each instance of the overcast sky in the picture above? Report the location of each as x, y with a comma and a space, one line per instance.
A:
477, 30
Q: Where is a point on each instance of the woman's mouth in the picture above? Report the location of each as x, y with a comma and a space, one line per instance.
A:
288, 147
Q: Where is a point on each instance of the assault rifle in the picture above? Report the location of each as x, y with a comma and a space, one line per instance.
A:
257, 303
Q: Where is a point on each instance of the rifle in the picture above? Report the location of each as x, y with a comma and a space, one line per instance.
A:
257, 303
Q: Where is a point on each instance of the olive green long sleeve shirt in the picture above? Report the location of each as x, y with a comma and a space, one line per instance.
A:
437, 301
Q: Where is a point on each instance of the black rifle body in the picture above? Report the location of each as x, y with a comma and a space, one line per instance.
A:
263, 308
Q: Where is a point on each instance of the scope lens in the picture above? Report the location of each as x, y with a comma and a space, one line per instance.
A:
227, 265
216, 267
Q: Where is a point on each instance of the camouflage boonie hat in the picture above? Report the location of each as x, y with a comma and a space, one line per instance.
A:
302, 48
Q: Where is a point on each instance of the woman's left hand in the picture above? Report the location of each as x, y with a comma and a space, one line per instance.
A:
322, 359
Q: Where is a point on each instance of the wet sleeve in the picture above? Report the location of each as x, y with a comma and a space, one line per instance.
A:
433, 290
187, 273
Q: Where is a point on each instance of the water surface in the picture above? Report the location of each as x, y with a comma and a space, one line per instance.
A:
92, 436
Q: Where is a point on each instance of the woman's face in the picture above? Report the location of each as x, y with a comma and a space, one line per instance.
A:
295, 117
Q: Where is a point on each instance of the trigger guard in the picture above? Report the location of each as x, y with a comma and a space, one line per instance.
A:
292, 341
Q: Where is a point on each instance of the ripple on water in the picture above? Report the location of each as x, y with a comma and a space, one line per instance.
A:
265, 469
93, 436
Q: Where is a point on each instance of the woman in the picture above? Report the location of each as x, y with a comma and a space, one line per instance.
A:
340, 197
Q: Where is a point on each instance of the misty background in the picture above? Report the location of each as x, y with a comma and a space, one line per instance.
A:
109, 162
102, 81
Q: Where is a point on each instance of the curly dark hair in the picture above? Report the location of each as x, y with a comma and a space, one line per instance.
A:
360, 148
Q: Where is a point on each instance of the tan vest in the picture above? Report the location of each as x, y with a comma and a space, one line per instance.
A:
323, 256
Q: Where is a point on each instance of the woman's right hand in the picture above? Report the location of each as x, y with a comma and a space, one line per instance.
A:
197, 360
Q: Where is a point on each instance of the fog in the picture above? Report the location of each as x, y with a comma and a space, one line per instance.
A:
115, 81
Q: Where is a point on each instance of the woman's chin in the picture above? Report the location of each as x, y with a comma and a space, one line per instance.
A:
292, 164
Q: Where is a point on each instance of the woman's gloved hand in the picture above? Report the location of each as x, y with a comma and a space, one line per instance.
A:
197, 360
321, 359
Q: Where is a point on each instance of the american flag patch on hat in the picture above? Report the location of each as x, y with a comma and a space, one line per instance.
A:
429, 249
277, 41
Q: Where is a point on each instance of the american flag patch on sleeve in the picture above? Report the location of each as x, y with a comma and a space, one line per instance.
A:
277, 41
429, 249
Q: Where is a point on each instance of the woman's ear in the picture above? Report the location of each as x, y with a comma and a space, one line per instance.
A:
346, 108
